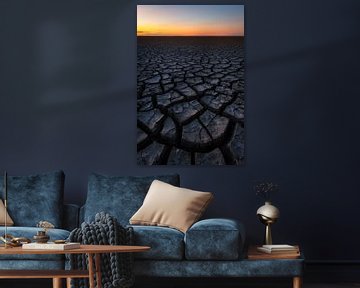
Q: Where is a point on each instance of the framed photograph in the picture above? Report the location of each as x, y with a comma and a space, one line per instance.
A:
190, 85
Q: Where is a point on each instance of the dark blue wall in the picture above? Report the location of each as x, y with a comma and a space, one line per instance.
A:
68, 101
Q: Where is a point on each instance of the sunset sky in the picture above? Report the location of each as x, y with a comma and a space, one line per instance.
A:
190, 20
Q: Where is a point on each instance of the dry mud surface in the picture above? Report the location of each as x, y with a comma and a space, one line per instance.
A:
190, 100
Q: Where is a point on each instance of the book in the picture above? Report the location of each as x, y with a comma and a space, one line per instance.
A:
51, 246
279, 246
255, 254
278, 249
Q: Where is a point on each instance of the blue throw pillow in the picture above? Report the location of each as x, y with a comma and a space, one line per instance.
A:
35, 198
119, 196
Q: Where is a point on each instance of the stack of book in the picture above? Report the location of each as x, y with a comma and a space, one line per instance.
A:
274, 252
279, 249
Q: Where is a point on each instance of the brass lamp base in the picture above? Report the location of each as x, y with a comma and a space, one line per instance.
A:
268, 238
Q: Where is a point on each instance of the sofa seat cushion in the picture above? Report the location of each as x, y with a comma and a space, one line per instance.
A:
214, 239
29, 232
35, 198
119, 196
166, 243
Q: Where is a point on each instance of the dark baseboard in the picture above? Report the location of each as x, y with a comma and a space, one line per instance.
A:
217, 282
314, 272
25, 283
332, 271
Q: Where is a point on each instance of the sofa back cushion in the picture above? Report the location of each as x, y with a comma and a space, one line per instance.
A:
35, 198
120, 196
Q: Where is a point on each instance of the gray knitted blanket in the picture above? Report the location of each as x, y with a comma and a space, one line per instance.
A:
116, 268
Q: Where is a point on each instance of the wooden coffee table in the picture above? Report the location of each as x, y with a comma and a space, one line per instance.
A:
92, 251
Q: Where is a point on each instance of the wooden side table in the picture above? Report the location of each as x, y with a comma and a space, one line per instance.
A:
255, 255
93, 251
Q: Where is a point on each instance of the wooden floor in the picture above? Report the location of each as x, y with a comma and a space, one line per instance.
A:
260, 285
343, 285
45, 283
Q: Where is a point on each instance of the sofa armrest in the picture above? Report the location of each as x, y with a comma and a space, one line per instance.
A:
215, 239
70, 216
81, 214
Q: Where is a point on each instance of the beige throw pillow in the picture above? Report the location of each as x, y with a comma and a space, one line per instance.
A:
9, 221
170, 206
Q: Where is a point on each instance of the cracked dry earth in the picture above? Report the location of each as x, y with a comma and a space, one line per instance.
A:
190, 101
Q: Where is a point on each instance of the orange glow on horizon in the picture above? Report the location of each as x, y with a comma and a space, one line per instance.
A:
173, 30
189, 20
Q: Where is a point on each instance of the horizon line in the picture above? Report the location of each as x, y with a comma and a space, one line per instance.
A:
190, 35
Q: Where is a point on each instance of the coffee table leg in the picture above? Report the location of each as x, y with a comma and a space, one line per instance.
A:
91, 270
297, 282
57, 283
98, 270
68, 282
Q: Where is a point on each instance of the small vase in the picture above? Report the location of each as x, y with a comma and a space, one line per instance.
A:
268, 214
41, 237
269, 211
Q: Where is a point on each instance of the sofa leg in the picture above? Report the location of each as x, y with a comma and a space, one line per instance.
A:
297, 282
57, 283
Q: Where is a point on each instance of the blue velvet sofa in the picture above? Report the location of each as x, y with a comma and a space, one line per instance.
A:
32, 199
210, 248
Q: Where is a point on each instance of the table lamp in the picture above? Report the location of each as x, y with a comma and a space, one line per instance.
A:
268, 214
